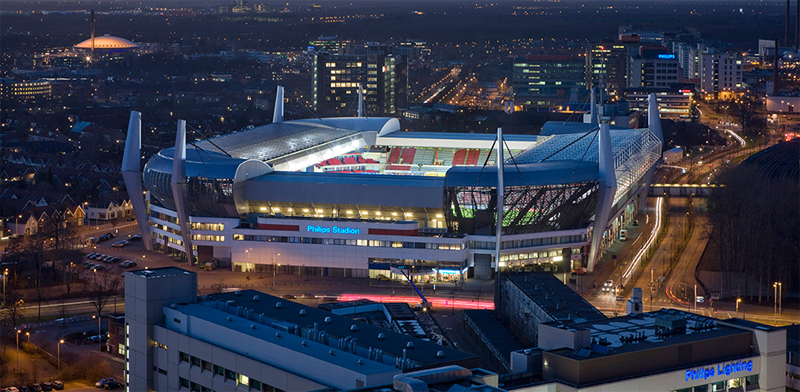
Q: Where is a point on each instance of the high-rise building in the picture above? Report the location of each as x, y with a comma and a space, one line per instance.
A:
654, 67
607, 66
335, 80
547, 81
721, 72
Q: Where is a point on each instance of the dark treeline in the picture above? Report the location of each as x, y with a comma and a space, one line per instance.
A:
756, 226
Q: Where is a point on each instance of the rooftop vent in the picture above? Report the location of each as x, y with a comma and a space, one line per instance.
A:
354, 328
360, 362
230, 318
238, 293
278, 305
332, 353
328, 320
256, 299
304, 344
410, 345
252, 326
302, 312
173, 305
278, 335
440, 354
381, 336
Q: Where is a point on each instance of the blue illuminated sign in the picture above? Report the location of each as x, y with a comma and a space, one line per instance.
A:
666, 56
334, 230
722, 369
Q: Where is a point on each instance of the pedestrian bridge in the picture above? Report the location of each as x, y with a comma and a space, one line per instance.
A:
681, 190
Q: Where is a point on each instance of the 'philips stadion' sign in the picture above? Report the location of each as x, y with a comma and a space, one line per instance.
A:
334, 230
726, 369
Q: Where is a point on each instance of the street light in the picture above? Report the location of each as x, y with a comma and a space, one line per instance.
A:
18, 331
274, 274
60, 342
5, 277
778, 286
99, 340
28, 334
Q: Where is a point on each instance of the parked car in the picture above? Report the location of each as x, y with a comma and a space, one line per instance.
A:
94, 256
88, 265
288, 296
115, 260
102, 383
12, 389
608, 286
35, 388
308, 296
48, 386
120, 244
90, 255
58, 385
127, 264
113, 385
384, 278
24, 388
98, 268
137, 237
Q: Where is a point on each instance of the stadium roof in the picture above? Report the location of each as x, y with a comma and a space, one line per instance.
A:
545, 173
272, 141
635, 151
454, 140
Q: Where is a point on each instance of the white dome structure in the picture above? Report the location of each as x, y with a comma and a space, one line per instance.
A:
107, 43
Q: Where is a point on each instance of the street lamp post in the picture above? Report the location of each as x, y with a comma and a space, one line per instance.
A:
738, 300
99, 339
274, 272
18, 331
60, 342
5, 278
775, 301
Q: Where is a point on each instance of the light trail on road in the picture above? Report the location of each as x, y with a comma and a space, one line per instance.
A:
737, 137
436, 301
653, 236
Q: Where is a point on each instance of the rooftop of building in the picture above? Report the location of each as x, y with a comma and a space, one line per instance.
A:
424, 353
554, 297
303, 346
106, 42
160, 272
632, 333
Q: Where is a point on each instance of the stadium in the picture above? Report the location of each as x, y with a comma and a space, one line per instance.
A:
358, 197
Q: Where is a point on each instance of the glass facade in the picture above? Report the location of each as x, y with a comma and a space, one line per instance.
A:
527, 209
211, 197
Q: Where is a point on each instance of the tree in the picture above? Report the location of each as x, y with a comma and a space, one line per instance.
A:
70, 261
99, 294
745, 112
12, 308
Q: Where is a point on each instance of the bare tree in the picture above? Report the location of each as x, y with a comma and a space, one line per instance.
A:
99, 294
70, 261
12, 308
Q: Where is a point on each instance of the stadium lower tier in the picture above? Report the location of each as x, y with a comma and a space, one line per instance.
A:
370, 248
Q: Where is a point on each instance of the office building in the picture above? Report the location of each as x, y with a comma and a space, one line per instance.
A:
249, 340
607, 66
336, 79
548, 81
25, 90
721, 74
654, 67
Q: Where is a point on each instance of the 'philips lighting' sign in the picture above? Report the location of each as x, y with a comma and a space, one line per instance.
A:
334, 230
726, 369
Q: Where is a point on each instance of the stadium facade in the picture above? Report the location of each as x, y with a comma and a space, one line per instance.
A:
359, 197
